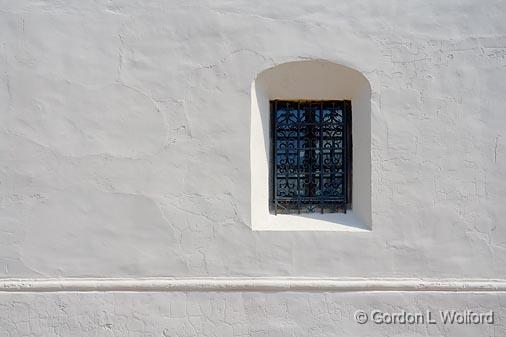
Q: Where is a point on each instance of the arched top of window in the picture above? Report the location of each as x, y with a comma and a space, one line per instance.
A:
312, 79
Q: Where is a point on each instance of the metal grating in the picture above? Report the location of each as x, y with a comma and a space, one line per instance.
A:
311, 146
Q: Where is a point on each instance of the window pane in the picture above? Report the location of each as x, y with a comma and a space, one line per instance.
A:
310, 155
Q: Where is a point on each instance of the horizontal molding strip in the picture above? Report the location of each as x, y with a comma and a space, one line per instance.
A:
274, 284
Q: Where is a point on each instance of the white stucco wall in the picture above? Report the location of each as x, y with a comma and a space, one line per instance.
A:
125, 151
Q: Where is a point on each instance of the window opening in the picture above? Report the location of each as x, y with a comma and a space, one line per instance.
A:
311, 147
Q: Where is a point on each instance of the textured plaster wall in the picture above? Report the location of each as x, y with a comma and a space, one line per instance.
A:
124, 137
238, 314
124, 152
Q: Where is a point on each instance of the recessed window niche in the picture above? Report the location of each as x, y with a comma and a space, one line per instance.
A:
310, 80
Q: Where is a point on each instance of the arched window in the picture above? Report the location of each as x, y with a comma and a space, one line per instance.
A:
310, 155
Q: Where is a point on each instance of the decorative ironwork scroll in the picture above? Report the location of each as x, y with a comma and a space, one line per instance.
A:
311, 147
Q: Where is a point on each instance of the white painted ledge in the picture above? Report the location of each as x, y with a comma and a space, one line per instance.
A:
328, 222
275, 284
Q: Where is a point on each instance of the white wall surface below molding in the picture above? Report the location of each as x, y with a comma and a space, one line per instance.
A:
240, 314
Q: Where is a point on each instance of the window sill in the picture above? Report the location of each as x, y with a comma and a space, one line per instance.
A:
329, 222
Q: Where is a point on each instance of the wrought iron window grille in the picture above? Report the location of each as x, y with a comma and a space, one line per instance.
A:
311, 156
